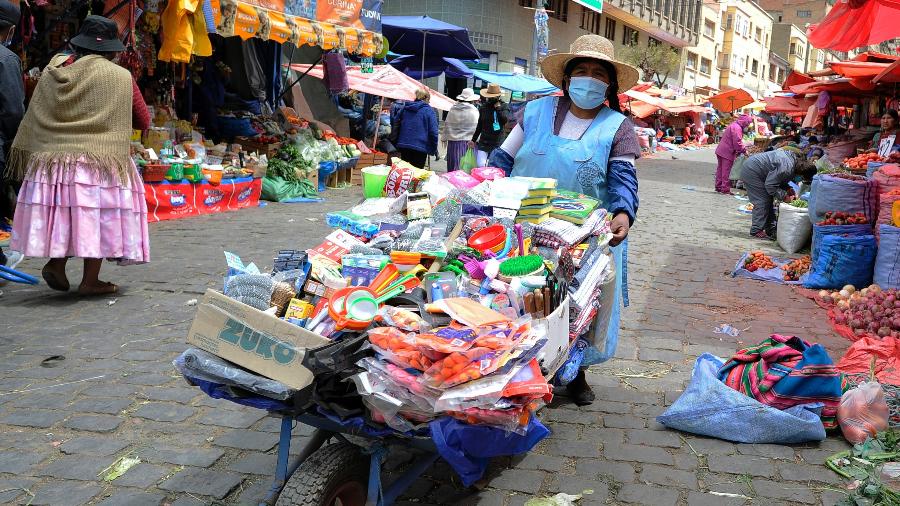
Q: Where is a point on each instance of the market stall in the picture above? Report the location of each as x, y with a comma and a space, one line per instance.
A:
438, 315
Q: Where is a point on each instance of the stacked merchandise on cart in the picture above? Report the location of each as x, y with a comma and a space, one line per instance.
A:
434, 308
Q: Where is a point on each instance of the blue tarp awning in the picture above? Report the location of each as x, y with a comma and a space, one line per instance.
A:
516, 82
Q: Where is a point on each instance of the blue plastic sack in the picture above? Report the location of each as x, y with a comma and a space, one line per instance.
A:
887, 262
235, 127
469, 448
830, 193
820, 231
710, 408
843, 260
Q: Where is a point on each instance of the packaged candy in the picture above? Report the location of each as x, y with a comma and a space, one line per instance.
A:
403, 319
460, 367
406, 357
450, 339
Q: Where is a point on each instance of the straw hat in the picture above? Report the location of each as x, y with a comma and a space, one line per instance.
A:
468, 95
492, 90
588, 46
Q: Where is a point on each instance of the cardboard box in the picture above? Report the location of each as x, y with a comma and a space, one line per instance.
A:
253, 339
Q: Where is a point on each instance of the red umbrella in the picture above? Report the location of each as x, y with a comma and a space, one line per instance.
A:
855, 23
730, 100
891, 74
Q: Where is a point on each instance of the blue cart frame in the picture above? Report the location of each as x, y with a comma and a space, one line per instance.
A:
326, 429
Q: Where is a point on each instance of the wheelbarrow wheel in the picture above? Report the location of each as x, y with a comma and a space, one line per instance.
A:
335, 475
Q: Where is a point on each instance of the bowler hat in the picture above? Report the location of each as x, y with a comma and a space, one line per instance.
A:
98, 34
9, 11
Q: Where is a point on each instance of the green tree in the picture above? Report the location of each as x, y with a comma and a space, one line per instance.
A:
656, 61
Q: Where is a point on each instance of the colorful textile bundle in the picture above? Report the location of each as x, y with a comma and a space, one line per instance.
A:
785, 371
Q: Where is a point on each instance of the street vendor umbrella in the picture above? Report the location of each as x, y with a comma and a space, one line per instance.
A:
386, 82
434, 66
731, 100
891, 74
855, 23
517, 82
424, 36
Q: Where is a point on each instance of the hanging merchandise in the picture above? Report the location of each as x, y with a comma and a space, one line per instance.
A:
184, 32
366, 65
335, 69
542, 32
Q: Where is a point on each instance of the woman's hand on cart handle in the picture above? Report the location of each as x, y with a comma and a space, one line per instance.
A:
619, 227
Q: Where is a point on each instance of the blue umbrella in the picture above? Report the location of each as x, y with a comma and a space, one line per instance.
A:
423, 36
434, 66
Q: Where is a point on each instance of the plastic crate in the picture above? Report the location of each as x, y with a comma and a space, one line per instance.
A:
154, 172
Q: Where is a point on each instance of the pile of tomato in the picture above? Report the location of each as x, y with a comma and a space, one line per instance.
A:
842, 218
758, 260
796, 268
861, 161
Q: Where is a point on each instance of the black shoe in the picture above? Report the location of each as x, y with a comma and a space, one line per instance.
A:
579, 390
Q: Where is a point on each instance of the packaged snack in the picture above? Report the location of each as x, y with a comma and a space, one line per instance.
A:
461, 367
450, 339
404, 178
469, 312
403, 319
409, 357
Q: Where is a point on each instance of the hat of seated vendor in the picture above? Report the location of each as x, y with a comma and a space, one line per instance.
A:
589, 46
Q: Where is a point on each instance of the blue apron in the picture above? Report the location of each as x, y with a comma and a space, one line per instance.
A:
580, 166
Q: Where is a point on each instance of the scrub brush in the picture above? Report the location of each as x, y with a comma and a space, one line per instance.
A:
522, 266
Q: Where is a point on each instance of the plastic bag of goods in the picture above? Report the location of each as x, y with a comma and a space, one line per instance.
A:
708, 407
863, 412
836, 193
842, 259
887, 261
888, 177
794, 228
404, 177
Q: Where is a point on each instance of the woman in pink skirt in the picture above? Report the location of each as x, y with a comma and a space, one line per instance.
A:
81, 194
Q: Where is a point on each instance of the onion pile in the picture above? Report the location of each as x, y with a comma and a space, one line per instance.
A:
870, 310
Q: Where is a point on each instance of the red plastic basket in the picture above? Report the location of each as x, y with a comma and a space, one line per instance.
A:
154, 172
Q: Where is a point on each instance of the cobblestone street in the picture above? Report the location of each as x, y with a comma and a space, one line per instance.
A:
115, 393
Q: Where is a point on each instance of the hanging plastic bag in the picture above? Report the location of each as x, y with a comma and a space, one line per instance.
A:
468, 162
863, 412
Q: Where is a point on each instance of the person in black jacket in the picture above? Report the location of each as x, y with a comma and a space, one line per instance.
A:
493, 115
12, 107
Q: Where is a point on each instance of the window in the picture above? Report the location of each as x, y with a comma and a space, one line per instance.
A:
651, 42
709, 27
560, 9
705, 66
691, 62
772, 73
610, 32
754, 68
590, 20
734, 63
724, 59
738, 23
767, 39
804, 14
746, 62
729, 21
757, 36
820, 56
793, 49
629, 36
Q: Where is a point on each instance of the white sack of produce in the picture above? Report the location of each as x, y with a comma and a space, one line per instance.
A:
844, 193
887, 261
794, 228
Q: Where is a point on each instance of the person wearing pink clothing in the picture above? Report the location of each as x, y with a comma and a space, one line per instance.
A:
81, 194
730, 146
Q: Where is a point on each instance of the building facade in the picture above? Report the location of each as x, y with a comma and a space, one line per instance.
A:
743, 60
503, 29
701, 74
797, 12
789, 42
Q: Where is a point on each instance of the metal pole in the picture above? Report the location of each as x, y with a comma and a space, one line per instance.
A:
532, 69
377, 123
422, 75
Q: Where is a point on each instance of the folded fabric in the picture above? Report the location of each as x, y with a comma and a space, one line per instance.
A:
469, 448
786, 371
709, 408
